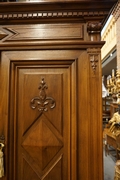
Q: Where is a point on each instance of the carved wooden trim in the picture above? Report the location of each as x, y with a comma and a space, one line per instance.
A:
94, 57
93, 50
42, 101
50, 14
28, 32
94, 61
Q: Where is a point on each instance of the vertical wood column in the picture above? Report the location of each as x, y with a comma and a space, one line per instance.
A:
95, 121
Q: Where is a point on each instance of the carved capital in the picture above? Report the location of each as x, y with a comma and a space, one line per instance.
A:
94, 29
93, 50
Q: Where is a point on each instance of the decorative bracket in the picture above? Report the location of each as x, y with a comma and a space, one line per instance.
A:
94, 29
42, 101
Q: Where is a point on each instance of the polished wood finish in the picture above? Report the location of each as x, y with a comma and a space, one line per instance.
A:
60, 43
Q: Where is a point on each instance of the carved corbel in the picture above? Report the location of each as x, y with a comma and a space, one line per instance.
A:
94, 30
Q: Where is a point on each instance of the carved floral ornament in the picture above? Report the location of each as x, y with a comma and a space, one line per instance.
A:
94, 61
42, 102
94, 57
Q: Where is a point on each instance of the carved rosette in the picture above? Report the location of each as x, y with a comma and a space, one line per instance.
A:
42, 102
94, 29
94, 57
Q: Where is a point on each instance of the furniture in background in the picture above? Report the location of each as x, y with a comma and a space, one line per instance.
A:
106, 111
112, 134
117, 171
111, 142
113, 109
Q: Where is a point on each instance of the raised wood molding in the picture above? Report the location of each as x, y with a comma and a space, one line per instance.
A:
51, 14
50, 11
65, 35
51, 31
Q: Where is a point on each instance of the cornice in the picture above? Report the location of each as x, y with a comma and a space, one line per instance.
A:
50, 14
73, 10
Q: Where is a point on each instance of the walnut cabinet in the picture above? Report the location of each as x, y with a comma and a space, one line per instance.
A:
50, 89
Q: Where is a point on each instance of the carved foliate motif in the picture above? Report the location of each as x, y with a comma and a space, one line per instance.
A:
93, 57
94, 61
42, 102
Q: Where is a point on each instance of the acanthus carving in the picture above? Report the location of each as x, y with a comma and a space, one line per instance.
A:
94, 29
42, 101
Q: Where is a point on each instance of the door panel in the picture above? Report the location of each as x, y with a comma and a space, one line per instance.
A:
41, 142
40, 137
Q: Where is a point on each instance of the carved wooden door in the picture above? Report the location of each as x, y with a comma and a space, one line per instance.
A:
39, 95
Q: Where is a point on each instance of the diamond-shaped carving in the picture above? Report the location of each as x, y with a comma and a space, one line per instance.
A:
42, 144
